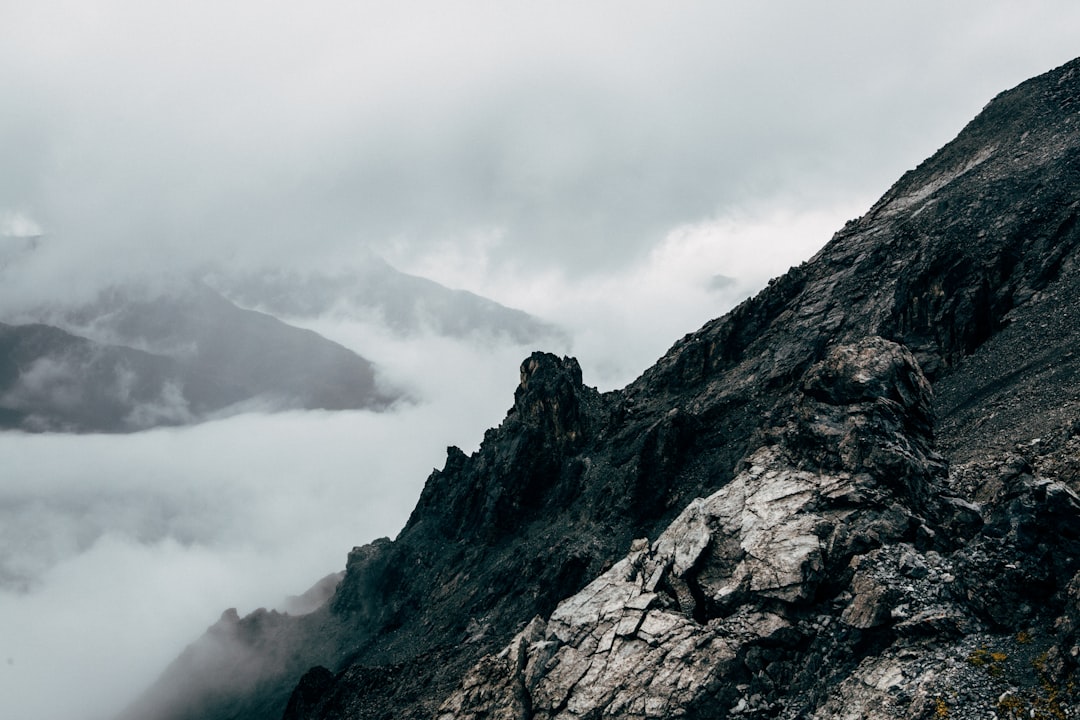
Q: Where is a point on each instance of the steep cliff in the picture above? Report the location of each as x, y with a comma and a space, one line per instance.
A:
855, 495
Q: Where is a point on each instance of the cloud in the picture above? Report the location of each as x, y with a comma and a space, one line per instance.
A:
14, 224
622, 319
117, 551
580, 134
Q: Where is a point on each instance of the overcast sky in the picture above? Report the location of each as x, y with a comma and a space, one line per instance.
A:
558, 135
603, 164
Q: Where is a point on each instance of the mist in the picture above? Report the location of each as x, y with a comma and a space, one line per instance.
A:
622, 170
622, 320
570, 138
117, 551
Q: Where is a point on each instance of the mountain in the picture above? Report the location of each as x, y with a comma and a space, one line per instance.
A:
53, 380
181, 351
138, 357
853, 496
374, 290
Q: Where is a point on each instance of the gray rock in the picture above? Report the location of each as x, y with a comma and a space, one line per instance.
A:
668, 624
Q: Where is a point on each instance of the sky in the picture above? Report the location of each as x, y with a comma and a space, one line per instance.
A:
625, 169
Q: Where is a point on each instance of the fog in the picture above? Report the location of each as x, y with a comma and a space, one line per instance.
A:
115, 552
624, 170
566, 137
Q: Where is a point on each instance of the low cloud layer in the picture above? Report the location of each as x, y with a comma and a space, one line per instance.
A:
119, 550
623, 319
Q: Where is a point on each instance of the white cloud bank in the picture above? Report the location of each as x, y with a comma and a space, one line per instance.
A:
140, 135
624, 319
15, 224
119, 550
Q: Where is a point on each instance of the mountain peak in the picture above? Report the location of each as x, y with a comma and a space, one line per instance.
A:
548, 395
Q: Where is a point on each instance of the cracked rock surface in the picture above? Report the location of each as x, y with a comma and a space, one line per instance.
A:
714, 613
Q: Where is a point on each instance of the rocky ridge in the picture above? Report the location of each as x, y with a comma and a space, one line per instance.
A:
836, 555
772, 521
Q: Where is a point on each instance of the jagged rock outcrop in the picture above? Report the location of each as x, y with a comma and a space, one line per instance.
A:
711, 619
824, 541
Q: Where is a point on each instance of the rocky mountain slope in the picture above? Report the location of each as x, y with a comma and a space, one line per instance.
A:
853, 496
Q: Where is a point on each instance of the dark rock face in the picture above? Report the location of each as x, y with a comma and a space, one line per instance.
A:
843, 518
764, 523
550, 418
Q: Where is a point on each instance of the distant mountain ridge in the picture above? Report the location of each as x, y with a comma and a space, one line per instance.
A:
857, 495
51, 380
139, 358
373, 289
178, 351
